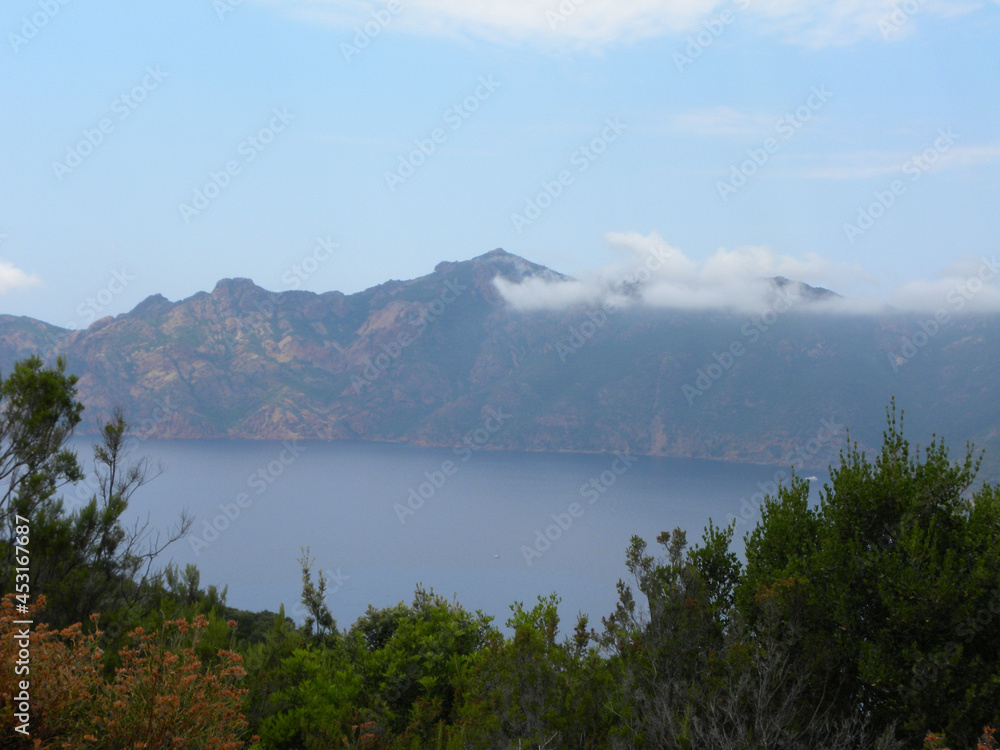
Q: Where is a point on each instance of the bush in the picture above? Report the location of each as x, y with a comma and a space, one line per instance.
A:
160, 696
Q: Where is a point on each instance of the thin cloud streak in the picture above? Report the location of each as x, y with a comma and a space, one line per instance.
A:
599, 23
877, 163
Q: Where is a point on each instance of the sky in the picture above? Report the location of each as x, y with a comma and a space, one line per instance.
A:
157, 147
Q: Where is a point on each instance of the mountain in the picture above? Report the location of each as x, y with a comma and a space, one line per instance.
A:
430, 359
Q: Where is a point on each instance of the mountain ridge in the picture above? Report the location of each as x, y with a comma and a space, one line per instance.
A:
421, 360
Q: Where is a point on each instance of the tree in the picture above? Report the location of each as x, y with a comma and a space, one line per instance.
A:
533, 690
38, 411
411, 661
84, 560
888, 587
319, 624
690, 673
661, 653
313, 701
87, 560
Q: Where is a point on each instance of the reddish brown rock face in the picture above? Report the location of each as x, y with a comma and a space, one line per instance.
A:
423, 360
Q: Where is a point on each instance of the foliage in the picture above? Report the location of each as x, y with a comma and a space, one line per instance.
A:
411, 660
887, 588
534, 690
160, 697
859, 622
84, 560
315, 706
986, 742
660, 654
319, 624
39, 412
395, 673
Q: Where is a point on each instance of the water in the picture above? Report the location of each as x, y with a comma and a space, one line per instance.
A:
348, 502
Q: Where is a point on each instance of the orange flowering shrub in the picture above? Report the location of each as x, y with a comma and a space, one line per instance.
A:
363, 737
986, 742
160, 696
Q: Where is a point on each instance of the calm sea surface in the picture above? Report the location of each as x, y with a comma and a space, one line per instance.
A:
257, 503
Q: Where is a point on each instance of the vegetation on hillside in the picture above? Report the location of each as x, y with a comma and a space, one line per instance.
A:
864, 621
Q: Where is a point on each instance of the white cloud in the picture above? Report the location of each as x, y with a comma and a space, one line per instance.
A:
12, 277
651, 273
868, 164
546, 22
971, 156
970, 285
596, 23
655, 274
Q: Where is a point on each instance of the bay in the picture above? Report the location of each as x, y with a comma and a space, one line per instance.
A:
487, 527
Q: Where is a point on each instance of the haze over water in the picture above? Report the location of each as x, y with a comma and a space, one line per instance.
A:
339, 498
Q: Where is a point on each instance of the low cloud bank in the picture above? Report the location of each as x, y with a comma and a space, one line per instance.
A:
653, 274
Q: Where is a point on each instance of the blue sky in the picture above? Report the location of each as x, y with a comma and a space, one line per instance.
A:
751, 135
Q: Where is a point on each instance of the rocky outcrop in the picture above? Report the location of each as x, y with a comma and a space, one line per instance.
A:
423, 360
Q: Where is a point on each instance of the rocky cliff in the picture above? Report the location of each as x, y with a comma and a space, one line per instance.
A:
424, 360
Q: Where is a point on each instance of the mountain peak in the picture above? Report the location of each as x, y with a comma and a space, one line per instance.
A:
806, 291
494, 255
151, 305
236, 285
513, 267
424, 360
